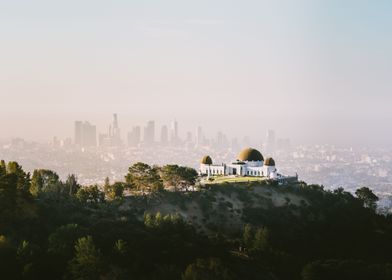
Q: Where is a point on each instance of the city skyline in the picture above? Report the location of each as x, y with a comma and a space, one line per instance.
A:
150, 134
315, 71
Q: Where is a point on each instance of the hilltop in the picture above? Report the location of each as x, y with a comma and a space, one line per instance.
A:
51, 229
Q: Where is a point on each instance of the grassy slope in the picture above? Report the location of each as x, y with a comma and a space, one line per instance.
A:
218, 207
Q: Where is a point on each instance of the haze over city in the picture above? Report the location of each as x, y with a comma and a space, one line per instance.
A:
315, 71
195, 140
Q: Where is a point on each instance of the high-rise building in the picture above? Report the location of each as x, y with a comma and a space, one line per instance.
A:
114, 132
270, 140
164, 135
174, 139
221, 141
149, 133
113, 137
78, 132
85, 134
199, 136
115, 128
134, 136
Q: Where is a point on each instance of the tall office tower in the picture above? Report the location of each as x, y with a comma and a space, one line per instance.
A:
89, 135
85, 134
199, 136
174, 133
221, 141
270, 140
78, 133
164, 135
134, 136
149, 133
115, 132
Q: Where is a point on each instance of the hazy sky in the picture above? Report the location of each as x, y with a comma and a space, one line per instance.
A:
309, 69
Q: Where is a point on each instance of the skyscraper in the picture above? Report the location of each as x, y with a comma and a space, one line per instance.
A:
164, 135
174, 133
113, 137
199, 136
85, 134
149, 133
114, 132
270, 140
134, 136
78, 133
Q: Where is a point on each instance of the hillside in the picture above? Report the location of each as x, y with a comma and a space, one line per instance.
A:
51, 229
218, 207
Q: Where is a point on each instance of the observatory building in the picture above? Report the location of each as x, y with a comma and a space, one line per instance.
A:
250, 162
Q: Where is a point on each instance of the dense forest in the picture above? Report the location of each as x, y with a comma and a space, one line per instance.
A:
139, 229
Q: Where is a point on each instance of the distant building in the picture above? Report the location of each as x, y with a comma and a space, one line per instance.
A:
115, 132
113, 137
199, 137
174, 139
250, 162
78, 132
270, 140
164, 135
221, 141
85, 134
134, 137
149, 134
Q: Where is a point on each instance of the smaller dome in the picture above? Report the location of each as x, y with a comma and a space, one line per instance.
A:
206, 160
269, 162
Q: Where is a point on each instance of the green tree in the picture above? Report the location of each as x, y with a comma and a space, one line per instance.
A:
344, 269
207, 269
72, 184
3, 168
107, 182
247, 235
262, 239
43, 180
88, 261
367, 196
144, 177
8, 261
61, 241
114, 191
23, 178
178, 176
120, 248
8, 193
27, 254
90, 194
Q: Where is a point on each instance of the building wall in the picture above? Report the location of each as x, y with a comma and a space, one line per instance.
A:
248, 169
212, 170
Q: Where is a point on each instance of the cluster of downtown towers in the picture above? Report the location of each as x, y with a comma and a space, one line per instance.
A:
86, 135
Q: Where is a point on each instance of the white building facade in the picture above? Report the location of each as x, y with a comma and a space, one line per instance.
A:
250, 162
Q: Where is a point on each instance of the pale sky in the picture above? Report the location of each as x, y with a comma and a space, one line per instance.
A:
310, 69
